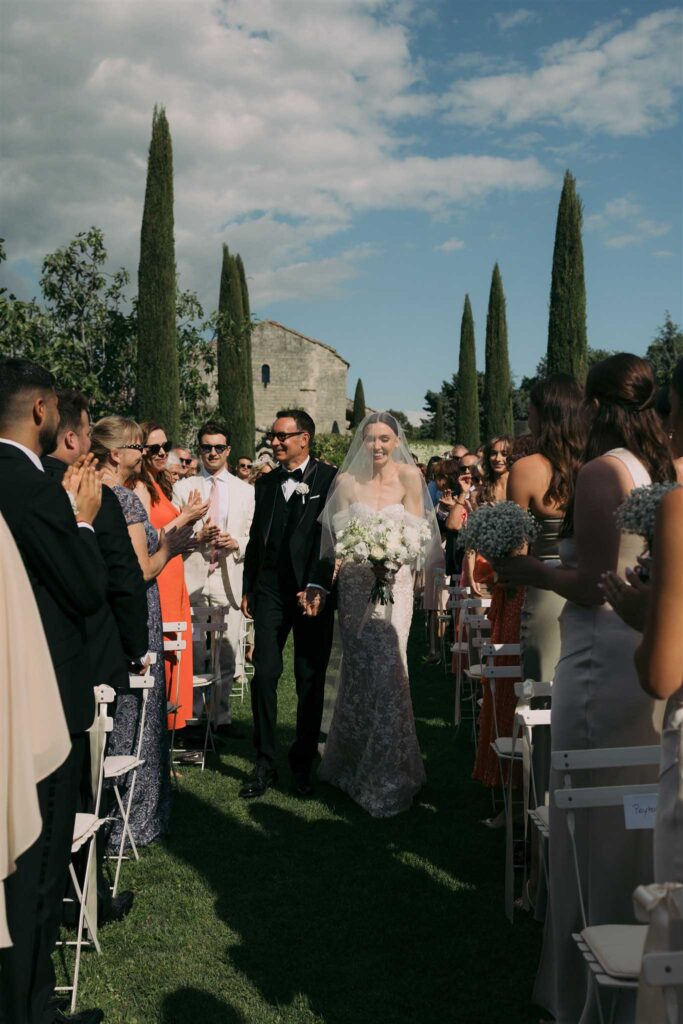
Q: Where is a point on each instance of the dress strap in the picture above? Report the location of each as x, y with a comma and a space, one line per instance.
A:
641, 477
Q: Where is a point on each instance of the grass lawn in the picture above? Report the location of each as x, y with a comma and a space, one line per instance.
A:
283, 911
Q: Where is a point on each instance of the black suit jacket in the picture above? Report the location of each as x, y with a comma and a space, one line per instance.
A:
117, 633
66, 571
304, 541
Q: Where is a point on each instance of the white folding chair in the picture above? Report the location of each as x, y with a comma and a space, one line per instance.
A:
613, 952
477, 631
174, 644
526, 719
462, 606
118, 766
86, 826
240, 684
488, 672
660, 995
208, 627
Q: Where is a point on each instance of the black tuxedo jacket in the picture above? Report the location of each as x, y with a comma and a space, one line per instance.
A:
117, 633
304, 539
66, 571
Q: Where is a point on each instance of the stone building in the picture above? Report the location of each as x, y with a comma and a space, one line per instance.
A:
293, 371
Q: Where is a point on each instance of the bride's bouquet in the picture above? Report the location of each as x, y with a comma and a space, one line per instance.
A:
497, 531
637, 513
386, 545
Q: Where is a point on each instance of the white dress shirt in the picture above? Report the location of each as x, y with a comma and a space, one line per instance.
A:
288, 484
37, 463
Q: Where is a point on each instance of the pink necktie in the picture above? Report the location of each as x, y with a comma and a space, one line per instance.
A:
213, 515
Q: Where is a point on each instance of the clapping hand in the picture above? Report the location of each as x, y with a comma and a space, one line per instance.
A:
195, 508
629, 598
85, 487
226, 543
177, 540
208, 533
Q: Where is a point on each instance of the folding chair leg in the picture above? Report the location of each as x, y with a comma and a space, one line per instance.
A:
125, 830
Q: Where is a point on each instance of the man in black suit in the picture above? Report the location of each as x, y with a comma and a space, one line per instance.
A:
286, 586
117, 635
67, 575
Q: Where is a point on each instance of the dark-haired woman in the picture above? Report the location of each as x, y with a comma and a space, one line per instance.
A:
155, 491
597, 701
478, 573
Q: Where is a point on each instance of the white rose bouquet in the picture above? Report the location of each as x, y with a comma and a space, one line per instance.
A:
497, 531
637, 513
386, 545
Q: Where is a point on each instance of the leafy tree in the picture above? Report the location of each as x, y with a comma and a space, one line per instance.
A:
158, 393
331, 447
233, 403
404, 422
196, 363
438, 419
666, 349
497, 379
567, 344
358, 405
467, 408
247, 373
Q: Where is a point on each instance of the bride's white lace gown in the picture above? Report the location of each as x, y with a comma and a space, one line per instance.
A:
372, 751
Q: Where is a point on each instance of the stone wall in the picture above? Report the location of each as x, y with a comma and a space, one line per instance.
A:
301, 373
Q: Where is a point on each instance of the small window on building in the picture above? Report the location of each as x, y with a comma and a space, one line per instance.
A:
335, 427
265, 375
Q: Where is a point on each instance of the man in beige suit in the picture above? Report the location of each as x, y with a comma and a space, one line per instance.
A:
213, 572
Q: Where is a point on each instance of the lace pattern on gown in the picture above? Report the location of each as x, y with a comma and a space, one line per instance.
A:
372, 751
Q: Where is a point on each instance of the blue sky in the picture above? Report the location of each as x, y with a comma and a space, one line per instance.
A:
371, 160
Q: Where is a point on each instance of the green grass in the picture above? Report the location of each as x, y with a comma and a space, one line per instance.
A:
282, 911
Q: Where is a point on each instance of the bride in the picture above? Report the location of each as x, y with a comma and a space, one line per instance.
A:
371, 750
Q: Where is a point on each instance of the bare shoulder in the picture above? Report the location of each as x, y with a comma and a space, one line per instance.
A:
531, 467
410, 476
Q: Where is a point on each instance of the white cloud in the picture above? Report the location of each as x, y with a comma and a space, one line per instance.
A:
450, 245
286, 116
626, 213
617, 81
513, 19
663, 253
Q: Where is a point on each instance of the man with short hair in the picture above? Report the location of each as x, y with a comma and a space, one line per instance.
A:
244, 468
457, 451
117, 634
285, 590
61, 556
213, 572
185, 459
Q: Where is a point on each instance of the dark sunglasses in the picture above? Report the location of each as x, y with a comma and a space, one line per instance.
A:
136, 447
156, 449
186, 462
217, 448
245, 465
282, 435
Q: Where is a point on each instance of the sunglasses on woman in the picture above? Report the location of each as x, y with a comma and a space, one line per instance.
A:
142, 448
217, 448
156, 449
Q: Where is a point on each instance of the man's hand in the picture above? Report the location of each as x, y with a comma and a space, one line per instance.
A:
89, 495
208, 534
226, 542
71, 480
246, 606
311, 601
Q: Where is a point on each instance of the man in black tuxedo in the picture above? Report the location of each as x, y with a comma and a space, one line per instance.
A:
117, 635
286, 588
67, 575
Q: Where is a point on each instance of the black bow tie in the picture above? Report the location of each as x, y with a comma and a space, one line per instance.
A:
295, 474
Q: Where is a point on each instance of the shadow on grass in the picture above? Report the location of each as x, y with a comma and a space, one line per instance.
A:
192, 1005
362, 920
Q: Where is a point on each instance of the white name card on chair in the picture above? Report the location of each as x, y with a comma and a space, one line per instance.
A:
640, 810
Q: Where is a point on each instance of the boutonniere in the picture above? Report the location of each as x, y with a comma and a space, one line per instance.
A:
302, 489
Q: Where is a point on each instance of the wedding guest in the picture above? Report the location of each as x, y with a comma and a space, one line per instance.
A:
117, 633
66, 572
117, 443
458, 450
185, 457
478, 573
244, 468
437, 479
155, 491
193, 468
213, 570
597, 701
174, 468
457, 501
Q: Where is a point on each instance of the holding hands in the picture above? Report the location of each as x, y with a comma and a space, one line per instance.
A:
311, 601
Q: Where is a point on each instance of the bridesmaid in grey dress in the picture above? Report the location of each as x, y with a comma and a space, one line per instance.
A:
543, 483
597, 701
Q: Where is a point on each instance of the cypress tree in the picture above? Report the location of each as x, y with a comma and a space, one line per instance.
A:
158, 393
497, 380
438, 419
567, 343
467, 413
248, 378
233, 405
358, 404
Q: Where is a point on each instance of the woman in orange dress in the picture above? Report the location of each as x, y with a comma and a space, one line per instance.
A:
155, 491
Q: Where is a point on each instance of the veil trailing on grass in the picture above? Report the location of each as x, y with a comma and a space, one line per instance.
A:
358, 470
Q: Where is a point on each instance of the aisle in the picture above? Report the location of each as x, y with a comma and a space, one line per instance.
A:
288, 912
